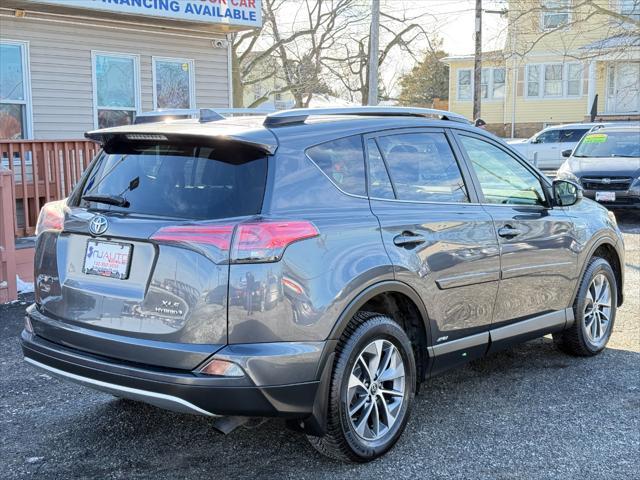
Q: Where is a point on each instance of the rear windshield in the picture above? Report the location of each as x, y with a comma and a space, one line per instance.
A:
177, 181
610, 144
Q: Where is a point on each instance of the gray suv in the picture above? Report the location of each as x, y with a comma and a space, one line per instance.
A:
315, 265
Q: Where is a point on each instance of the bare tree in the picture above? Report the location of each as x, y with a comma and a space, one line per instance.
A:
288, 52
401, 33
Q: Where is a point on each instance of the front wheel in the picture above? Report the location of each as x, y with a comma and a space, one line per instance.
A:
372, 390
594, 310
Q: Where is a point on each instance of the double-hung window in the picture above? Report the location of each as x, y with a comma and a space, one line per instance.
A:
553, 80
173, 83
116, 88
464, 84
555, 13
14, 90
492, 83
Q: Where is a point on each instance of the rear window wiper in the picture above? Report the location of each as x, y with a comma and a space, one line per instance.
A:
116, 200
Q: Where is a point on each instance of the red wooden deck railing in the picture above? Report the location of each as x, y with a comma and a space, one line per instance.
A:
43, 171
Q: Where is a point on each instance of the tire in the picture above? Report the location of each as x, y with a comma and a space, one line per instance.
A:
352, 437
579, 339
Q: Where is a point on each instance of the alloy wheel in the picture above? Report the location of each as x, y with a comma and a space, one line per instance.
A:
597, 310
376, 390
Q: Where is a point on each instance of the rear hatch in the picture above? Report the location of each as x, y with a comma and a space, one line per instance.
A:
139, 269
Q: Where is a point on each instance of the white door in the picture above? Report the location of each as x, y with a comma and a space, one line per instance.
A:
624, 88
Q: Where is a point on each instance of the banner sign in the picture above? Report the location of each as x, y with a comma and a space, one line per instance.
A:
229, 12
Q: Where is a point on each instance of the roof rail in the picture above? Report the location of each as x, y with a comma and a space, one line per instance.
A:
299, 115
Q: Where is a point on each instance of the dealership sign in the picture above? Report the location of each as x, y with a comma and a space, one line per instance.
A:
230, 12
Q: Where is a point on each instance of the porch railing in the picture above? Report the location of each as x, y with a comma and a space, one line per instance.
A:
43, 171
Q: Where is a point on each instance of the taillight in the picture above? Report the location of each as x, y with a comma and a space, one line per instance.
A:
261, 241
51, 217
216, 235
266, 241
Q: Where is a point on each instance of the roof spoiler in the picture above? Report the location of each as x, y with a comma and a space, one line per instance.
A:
299, 115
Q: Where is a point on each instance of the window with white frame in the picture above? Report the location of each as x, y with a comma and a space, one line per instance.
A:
533, 80
574, 79
173, 83
492, 83
630, 8
554, 80
15, 91
116, 88
464, 84
555, 13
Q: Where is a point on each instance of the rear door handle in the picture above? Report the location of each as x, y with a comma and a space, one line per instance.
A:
509, 232
406, 239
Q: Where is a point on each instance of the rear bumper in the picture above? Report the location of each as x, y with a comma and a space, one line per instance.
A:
186, 391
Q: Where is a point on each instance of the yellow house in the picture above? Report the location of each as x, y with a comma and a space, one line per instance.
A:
559, 57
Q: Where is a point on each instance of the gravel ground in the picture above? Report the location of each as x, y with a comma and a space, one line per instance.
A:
529, 412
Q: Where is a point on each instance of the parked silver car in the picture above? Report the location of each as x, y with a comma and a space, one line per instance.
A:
606, 163
544, 149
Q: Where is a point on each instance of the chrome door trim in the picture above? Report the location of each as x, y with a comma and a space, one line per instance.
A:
460, 344
468, 279
545, 322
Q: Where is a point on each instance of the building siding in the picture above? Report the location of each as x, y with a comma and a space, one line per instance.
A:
61, 67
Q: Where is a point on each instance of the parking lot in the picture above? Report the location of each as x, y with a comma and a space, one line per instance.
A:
529, 412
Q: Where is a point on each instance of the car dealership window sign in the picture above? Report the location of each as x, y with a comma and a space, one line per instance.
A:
231, 12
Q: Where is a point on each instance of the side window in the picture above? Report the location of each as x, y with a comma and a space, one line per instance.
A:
502, 178
550, 136
422, 167
379, 183
573, 135
343, 162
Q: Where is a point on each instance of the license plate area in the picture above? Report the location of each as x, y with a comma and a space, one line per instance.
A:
606, 196
107, 259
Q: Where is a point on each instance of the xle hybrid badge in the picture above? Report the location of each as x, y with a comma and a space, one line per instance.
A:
98, 225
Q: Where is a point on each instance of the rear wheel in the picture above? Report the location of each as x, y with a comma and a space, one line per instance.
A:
594, 310
372, 390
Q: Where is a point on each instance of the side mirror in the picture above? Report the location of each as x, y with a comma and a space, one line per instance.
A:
566, 193
566, 153
535, 140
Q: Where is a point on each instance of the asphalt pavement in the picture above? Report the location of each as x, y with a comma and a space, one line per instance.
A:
526, 413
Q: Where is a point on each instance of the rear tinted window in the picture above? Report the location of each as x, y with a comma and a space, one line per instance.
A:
572, 135
178, 181
343, 162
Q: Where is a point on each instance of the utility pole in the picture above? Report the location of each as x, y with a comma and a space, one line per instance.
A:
374, 52
477, 64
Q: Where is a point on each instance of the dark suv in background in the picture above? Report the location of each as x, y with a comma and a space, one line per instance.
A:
316, 265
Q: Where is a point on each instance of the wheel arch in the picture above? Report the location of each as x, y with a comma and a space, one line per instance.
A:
607, 248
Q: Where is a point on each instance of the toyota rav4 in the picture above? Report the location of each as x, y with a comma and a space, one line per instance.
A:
315, 265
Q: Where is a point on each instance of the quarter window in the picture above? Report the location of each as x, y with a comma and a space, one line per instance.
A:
117, 97
502, 178
173, 83
379, 183
423, 168
14, 90
343, 162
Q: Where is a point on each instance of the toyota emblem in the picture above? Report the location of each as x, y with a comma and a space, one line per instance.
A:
606, 181
98, 225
